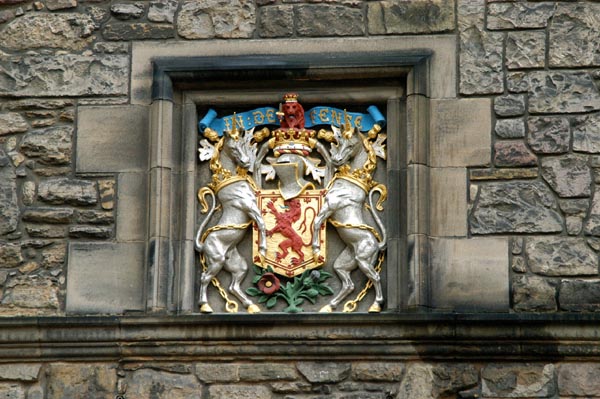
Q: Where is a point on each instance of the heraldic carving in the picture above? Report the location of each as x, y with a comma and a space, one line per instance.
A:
287, 183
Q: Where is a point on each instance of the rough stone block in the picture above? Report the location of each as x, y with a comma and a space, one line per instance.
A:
324, 372
33, 294
509, 105
329, 20
20, 371
572, 34
162, 10
403, 17
515, 207
125, 11
533, 380
12, 390
579, 379
525, 49
448, 202
568, 175
68, 191
51, 146
225, 19
377, 371
470, 274
533, 294
137, 31
10, 254
592, 224
267, 372
112, 144
276, 21
48, 215
105, 278
73, 380
561, 256
457, 137
519, 15
579, 295
548, 135
586, 133
513, 153
510, 128
9, 207
12, 122
210, 373
155, 384
239, 392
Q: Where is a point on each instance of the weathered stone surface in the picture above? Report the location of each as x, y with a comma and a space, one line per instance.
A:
324, 372
217, 372
107, 194
377, 371
137, 31
417, 382
402, 16
518, 380
9, 208
276, 21
29, 293
568, 175
513, 153
561, 256
148, 383
503, 174
52, 146
54, 5
11, 390
10, 254
518, 265
510, 128
6, 15
98, 14
125, 11
516, 245
61, 31
579, 295
35, 104
48, 215
449, 378
574, 225
267, 372
586, 133
12, 122
73, 380
480, 57
19, 372
46, 231
519, 15
95, 217
525, 49
64, 75
238, 392
515, 207
592, 225
54, 256
579, 379
557, 91
162, 10
509, 105
226, 19
548, 135
574, 206
90, 232
574, 32
68, 191
329, 20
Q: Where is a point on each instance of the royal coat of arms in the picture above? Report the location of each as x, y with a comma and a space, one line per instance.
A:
274, 173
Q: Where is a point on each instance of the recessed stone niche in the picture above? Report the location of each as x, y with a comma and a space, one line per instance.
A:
431, 140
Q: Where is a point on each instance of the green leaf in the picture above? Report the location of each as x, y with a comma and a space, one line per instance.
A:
299, 301
258, 270
256, 279
252, 291
270, 269
288, 286
324, 290
311, 300
312, 293
324, 276
263, 298
271, 302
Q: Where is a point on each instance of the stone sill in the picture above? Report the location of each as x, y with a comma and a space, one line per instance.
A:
313, 336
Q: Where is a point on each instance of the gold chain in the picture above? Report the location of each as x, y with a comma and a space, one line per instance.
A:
231, 306
350, 306
335, 223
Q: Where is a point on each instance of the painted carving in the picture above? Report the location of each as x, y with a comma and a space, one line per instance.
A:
288, 183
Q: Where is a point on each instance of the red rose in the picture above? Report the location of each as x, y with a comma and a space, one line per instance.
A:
268, 283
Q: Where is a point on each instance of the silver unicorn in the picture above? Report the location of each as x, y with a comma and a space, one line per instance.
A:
355, 160
231, 159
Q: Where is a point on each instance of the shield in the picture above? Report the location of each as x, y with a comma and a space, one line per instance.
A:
289, 225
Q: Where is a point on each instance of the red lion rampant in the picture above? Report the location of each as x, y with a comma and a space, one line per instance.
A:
284, 225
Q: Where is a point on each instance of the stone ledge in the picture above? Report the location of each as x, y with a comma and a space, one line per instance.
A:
388, 336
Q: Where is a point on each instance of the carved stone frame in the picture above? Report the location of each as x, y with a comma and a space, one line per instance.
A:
173, 142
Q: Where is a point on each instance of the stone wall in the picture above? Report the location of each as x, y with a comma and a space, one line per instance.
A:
513, 213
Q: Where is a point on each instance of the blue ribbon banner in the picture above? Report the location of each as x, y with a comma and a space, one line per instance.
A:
314, 117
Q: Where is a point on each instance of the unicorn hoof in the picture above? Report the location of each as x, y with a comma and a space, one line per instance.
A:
326, 309
375, 308
205, 308
253, 309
